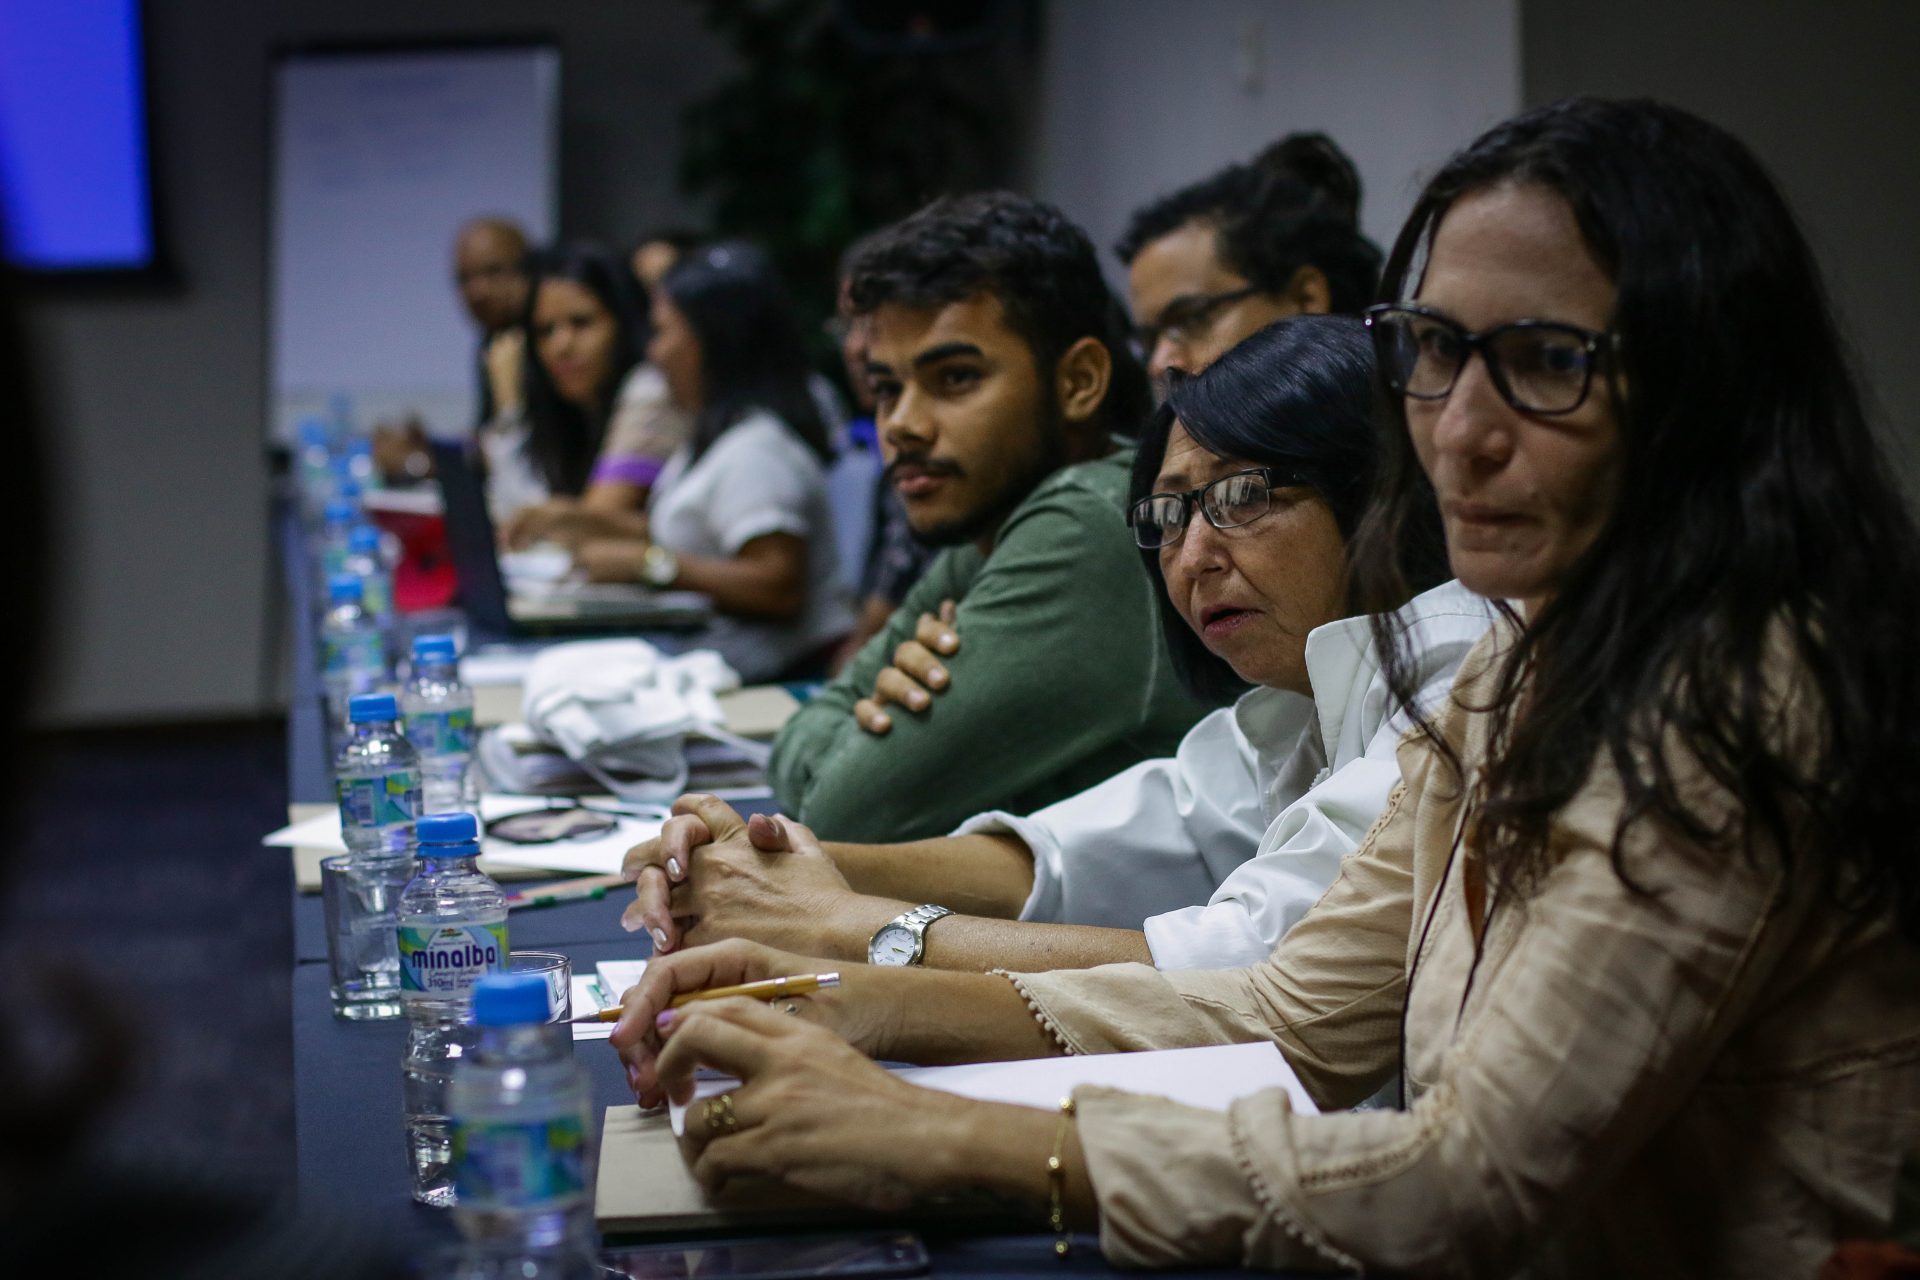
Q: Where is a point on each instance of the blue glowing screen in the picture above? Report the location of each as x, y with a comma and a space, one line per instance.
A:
74, 190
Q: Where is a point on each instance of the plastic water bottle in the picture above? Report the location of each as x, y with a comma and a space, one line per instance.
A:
451, 930
365, 562
336, 535
439, 719
359, 464
376, 777
452, 919
523, 1142
313, 466
353, 649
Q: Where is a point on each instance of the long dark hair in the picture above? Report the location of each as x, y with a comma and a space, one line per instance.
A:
751, 354
1295, 205
1297, 396
563, 439
1754, 507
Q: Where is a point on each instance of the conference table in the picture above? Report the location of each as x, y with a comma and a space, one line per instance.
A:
350, 1154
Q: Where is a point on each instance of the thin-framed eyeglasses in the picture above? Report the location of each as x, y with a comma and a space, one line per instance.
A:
1538, 366
1159, 519
1186, 318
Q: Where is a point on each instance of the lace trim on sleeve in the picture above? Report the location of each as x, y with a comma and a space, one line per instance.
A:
1053, 1029
1269, 1200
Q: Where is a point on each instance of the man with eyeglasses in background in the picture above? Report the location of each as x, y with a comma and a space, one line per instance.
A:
1224, 257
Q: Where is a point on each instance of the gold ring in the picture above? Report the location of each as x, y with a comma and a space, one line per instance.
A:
718, 1113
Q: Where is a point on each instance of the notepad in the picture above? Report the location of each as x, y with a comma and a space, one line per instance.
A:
645, 1189
1211, 1076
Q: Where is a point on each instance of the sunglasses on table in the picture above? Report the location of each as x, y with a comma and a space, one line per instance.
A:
1538, 366
1159, 519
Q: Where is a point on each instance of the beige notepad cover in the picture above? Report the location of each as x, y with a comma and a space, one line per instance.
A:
758, 711
645, 1188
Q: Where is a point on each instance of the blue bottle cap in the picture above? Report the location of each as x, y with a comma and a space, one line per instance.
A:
511, 1000
433, 649
345, 588
364, 538
447, 828
340, 511
368, 707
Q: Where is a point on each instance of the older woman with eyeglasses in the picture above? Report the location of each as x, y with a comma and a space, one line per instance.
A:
1246, 487
1640, 931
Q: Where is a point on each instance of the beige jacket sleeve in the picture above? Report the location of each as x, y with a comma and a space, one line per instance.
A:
1595, 1015
1330, 995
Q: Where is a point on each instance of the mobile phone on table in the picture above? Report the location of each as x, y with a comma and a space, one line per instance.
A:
871, 1257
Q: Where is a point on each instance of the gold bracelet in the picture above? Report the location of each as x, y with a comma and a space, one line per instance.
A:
1057, 1184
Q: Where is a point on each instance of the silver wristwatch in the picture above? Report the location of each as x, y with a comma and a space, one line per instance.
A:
903, 939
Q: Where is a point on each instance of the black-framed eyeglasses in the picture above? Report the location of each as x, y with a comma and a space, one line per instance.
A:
1537, 366
1159, 519
1186, 318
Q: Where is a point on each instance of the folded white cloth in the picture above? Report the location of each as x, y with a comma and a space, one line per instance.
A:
623, 710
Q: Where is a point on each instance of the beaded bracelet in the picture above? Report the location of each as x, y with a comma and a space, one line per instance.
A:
1057, 1184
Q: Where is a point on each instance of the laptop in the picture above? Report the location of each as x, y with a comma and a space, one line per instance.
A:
561, 607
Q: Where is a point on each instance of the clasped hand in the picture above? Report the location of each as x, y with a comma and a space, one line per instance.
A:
709, 874
916, 674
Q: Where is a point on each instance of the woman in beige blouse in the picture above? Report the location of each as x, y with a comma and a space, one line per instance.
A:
1637, 932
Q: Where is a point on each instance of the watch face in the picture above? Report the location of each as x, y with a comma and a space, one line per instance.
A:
892, 945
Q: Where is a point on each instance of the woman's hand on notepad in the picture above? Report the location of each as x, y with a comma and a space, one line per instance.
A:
811, 1111
647, 1021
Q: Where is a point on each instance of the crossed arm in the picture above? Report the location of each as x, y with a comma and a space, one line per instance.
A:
710, 875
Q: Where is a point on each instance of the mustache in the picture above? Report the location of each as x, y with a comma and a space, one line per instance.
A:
921, 462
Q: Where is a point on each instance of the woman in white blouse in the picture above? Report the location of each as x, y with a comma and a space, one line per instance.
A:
1247, 484
740, 512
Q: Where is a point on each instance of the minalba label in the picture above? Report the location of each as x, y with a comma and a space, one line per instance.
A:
442, 733
448, 959
520, 1165
379, 801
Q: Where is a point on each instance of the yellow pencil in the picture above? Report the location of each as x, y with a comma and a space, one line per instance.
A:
798, 984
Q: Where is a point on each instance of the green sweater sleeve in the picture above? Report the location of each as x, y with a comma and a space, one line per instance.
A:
813, 733
1061, 667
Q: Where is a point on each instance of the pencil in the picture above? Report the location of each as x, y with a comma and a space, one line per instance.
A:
798, 984
585, 889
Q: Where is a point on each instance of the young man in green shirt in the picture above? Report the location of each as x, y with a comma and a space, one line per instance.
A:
1026, 665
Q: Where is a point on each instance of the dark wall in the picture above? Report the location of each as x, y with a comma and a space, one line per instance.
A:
159, 397
1828, 97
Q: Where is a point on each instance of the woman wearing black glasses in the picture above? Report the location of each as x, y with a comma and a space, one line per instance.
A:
1247, 486
1639, 930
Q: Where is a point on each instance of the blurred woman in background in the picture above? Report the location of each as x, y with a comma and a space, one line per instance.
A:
740, 512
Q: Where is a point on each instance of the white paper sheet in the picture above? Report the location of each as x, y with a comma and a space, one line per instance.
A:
602, 989
601, 855
1211, 1077
586, 999
617, 975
